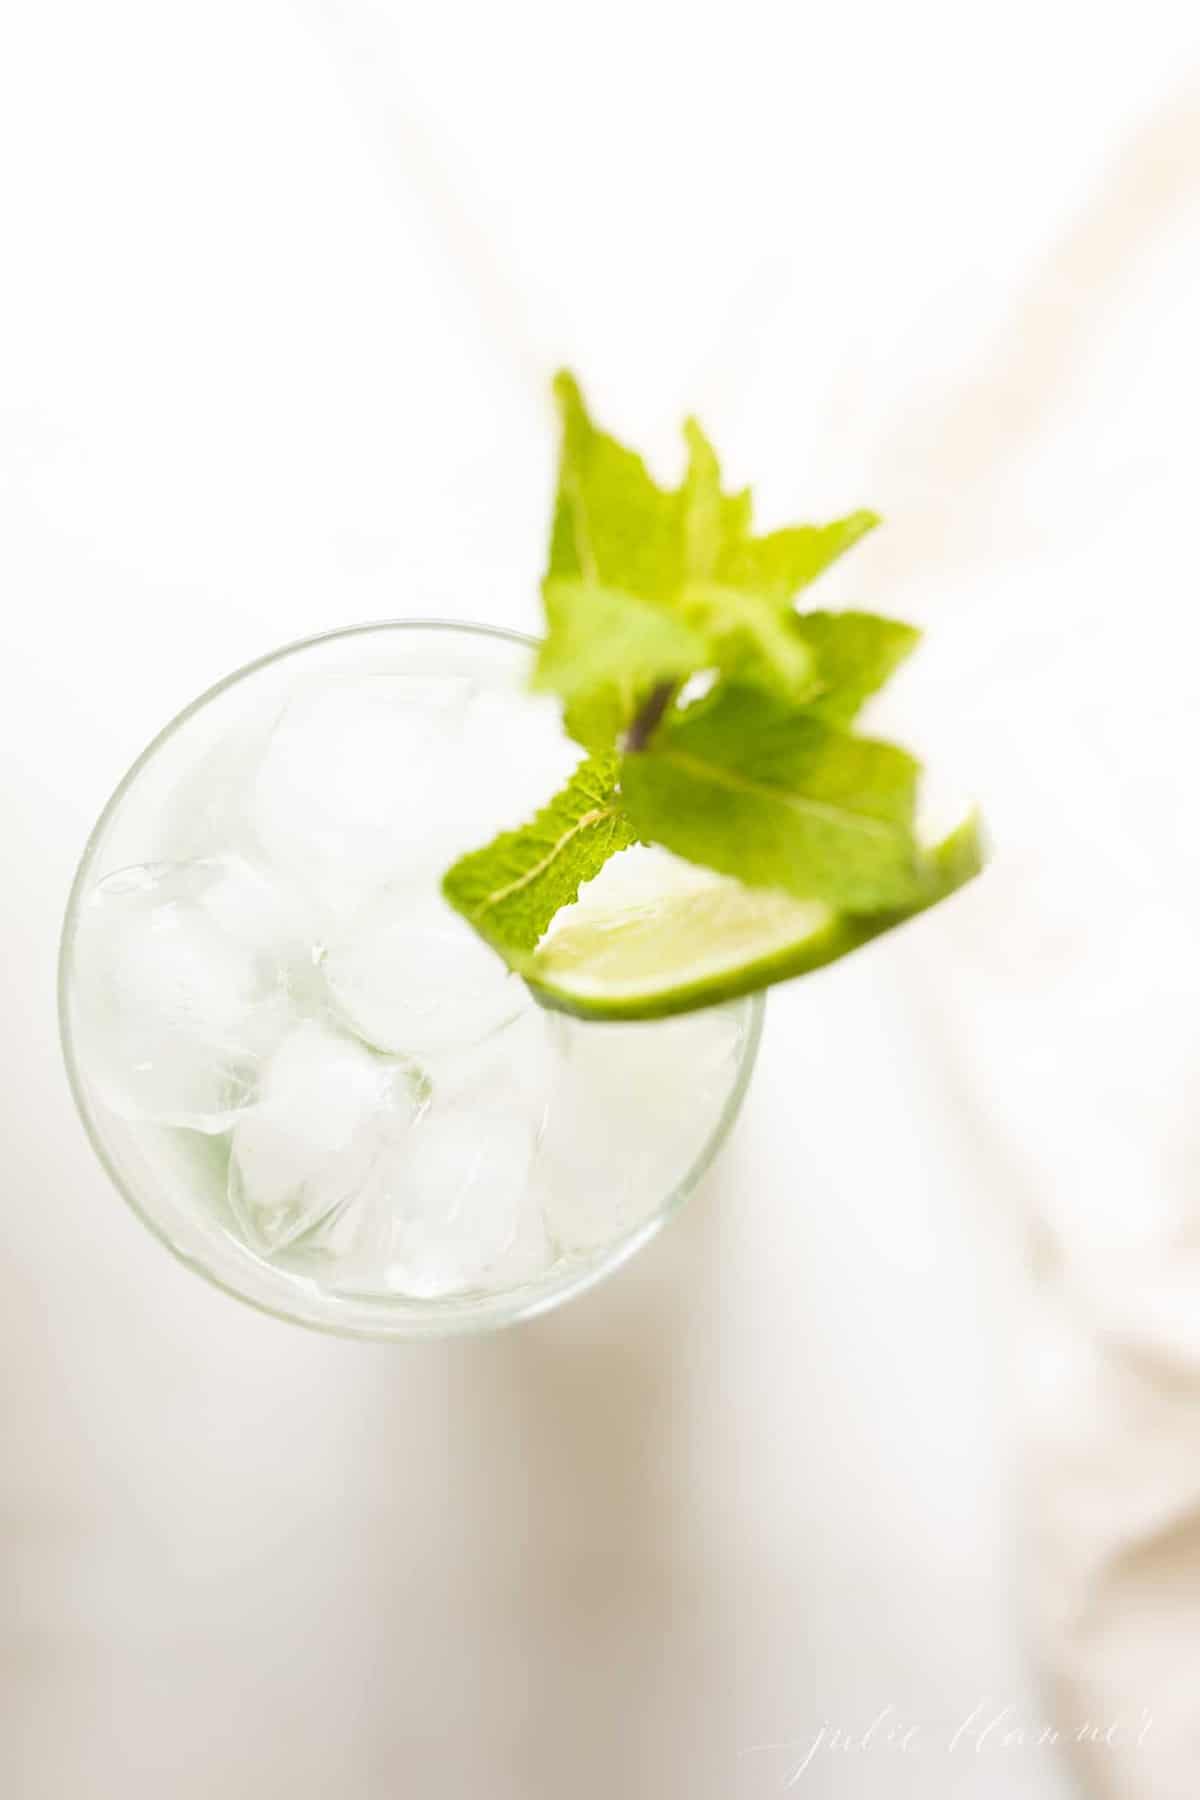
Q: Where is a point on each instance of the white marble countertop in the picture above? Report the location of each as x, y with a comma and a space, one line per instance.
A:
284, 284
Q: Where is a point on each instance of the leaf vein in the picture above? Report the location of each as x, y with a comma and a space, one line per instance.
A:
595, 817
801, 803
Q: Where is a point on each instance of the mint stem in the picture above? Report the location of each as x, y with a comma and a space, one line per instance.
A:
649, 716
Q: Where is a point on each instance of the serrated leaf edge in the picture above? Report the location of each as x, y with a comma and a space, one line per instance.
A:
595, 817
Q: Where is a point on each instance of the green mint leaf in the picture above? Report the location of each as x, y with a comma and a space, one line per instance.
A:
595, 720
779, 565
856, 653
613, 524
764, 791
751, 640
600, 640
512, 888
688, 553
749, 637
712, 522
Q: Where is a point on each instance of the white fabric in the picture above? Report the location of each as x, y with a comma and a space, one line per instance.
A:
283, 287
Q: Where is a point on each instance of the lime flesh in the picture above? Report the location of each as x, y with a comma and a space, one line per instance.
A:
715, 943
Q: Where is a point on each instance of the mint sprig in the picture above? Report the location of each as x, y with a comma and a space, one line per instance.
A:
601, 641
755, 771
683, 557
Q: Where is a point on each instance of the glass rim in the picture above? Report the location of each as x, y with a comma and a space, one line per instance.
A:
468, 1314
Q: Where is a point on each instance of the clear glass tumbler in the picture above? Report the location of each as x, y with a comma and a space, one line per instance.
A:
192, 796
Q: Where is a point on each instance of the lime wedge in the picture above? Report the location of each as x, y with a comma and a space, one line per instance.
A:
698, 948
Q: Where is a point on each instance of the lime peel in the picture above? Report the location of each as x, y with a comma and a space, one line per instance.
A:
715, 943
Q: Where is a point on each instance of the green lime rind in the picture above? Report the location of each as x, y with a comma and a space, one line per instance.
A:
713, 945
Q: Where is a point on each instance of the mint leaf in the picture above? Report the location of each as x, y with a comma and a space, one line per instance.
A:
600, 640
756, 788
512, 888
687, 553
753, 641
596, 720
712, 522
856, 653
779, 565
613, 524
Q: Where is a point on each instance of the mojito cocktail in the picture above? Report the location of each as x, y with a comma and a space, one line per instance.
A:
302, 1068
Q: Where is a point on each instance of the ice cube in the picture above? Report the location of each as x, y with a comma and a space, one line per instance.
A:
346, 797
530, 1255
456, 1187
459, 1185
272, 920
410, 976
176, 995
405, 1234
203, 813
512, 757
348, 1247
515, 1067
303, 1153
251, 908
630, 1113
465, 1179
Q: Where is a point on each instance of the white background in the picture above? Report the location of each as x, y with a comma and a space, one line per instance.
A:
282, 288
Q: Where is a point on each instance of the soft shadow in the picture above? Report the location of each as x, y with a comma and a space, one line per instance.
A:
574, 1538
